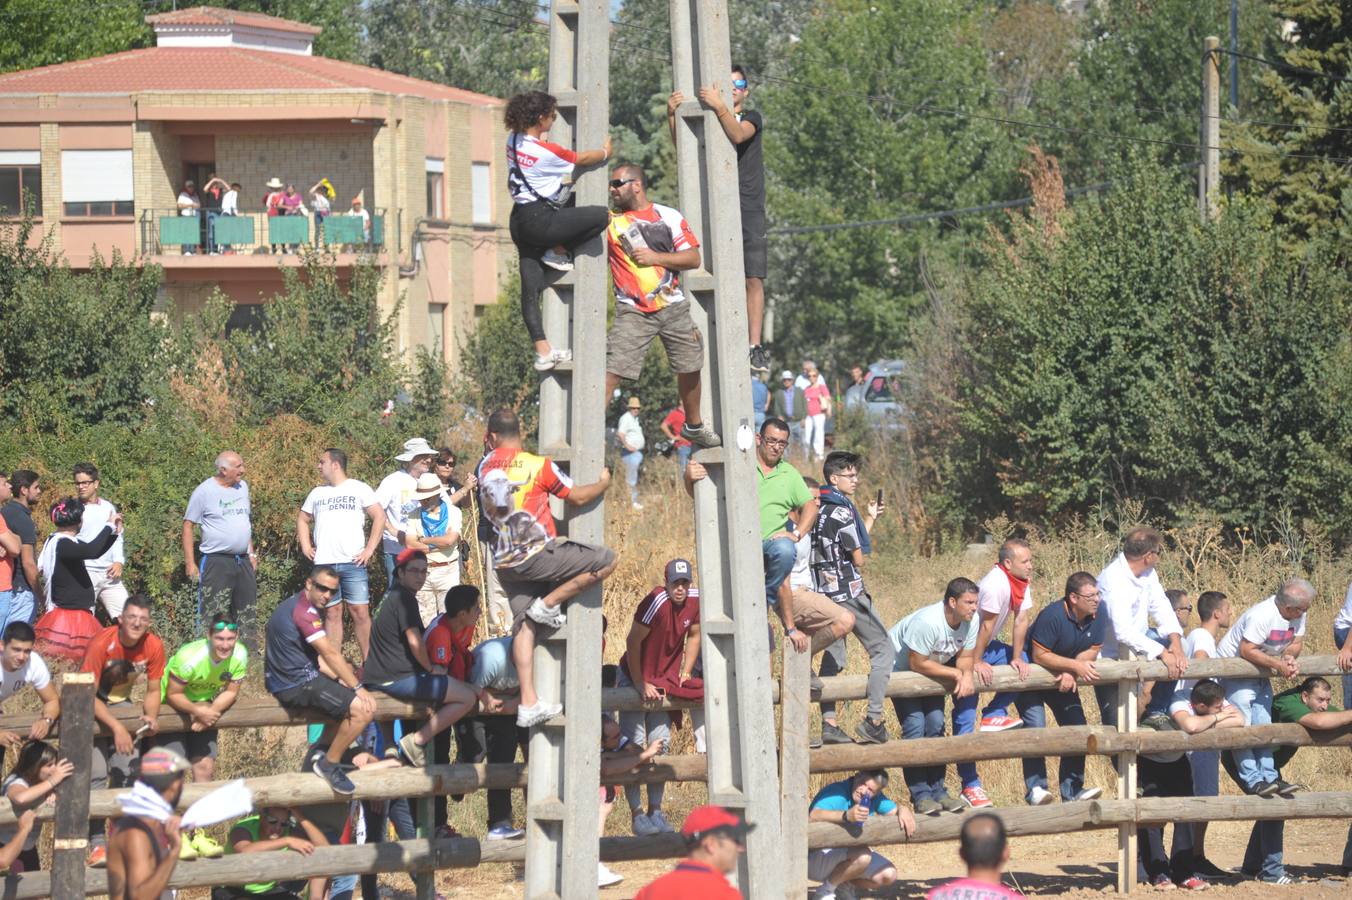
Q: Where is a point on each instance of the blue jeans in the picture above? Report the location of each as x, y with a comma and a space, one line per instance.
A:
1263, 856
778, 556
632, 460
389, 570
683, 455
1253, 698
1340, 639
353, 584
6, 598
21, 607
921, 717
1068, 712
1029, 705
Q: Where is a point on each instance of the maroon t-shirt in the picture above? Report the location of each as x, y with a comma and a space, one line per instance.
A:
668, 625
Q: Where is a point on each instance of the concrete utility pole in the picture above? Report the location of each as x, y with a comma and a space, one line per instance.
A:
562, 838
1209, 176
739, 710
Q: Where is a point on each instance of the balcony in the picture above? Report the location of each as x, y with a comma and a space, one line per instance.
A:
207, 239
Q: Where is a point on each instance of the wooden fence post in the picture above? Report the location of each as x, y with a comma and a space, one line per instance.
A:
71, 828
1127, 693
793, 763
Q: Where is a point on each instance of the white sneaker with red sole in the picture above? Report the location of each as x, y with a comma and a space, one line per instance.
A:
1000, 723
976, 798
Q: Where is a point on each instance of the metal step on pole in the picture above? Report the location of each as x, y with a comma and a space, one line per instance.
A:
561, 826
743, 763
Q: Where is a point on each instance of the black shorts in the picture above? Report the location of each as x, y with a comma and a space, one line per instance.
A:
191, 745
755, 246
321, 693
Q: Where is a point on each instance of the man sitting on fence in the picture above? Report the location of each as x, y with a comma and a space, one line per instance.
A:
1004, 591
540, 571
660, 655
493, 735
274, 828
984, 849
307, 673
1270, 636
939, 642
145, 839
1131, 596
130, 649
1066, 638
20, 665
716, 838
850, 803
399, 665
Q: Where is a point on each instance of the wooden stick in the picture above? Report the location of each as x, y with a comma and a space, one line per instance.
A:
71, 830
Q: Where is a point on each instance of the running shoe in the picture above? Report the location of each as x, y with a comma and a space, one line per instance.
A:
976, 798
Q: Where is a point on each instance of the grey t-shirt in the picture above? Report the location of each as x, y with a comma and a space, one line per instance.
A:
223, 514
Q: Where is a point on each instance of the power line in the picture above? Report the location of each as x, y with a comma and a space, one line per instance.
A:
917, 218
1277, 64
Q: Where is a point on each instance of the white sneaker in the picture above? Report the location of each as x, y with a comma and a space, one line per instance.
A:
550, 616
1039, 796
530, 716
605, 877
643, 826
659, 821
636, 505
555, 356
824, 893
1089, 793
556, 260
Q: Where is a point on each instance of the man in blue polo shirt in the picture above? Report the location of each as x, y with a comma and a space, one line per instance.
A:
1066, 638
849, 803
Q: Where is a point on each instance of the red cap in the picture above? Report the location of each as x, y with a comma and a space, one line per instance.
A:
408, 554
709, 818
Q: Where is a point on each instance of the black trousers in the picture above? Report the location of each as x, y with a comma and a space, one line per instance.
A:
535, 228
493, 739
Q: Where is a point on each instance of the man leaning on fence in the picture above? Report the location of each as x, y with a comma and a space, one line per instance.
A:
21, 666
227, 584
1131, 596
118, 656
850, 803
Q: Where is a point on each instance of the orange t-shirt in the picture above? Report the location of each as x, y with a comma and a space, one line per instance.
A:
146, 656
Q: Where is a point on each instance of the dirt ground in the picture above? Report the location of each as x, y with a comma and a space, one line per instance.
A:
1077, 866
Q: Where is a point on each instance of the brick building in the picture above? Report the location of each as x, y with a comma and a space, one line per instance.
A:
102, 147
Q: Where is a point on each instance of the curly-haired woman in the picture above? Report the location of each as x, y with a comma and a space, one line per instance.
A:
545, 231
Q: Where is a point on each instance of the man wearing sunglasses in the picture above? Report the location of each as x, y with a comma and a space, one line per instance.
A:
306, 671
743, 127
202, 681
649, 244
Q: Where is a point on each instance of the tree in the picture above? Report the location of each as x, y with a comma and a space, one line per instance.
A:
1310, 191
494, 47
47, 32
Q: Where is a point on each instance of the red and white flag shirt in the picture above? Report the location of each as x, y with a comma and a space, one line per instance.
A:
542, 164
659, 228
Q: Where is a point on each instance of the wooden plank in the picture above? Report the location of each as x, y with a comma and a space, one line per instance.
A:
793, 768
71, 830
1127, 714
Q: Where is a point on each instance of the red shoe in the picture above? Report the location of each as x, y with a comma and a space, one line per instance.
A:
1000, 723
976, 798
1194, 883
97, 858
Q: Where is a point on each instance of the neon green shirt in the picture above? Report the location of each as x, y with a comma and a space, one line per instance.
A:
253, 826
202, 678
780, 493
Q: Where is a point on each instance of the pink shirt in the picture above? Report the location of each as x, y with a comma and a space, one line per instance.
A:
817, 397
969, 889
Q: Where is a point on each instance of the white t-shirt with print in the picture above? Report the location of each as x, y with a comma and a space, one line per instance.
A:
1263, 626
340, 519
34, 672
542, 164
926, 632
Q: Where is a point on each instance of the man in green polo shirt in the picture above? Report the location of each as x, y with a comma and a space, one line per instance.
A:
1309, 705
275, 828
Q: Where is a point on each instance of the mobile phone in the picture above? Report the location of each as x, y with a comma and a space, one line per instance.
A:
879, 501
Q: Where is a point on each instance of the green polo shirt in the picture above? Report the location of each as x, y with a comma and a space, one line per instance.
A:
1288, 707
781, 492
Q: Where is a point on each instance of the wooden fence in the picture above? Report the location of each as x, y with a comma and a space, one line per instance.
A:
76, 804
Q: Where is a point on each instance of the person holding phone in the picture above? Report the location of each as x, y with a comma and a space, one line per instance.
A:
850, 803
659, 660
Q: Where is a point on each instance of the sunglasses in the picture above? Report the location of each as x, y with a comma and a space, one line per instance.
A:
739, 83
324, 588
225, 626
617, 183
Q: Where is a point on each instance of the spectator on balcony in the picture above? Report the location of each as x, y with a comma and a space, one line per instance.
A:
228, 206
272, 202
545, 224
320, 196
188, 204
359, 209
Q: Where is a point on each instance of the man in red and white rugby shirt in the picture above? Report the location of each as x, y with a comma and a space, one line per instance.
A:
660, 655
649, 246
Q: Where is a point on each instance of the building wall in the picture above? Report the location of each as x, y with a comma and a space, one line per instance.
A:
346, 160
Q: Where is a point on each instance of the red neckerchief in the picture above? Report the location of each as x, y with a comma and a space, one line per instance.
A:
1018, 590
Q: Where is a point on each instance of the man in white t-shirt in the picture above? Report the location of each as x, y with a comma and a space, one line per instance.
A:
20, 667
338, 508
938, 641
1131, 596
1004, 590
105, 573
1270, 636
395, 496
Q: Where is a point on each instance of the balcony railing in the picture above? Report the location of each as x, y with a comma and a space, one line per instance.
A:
165, 232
